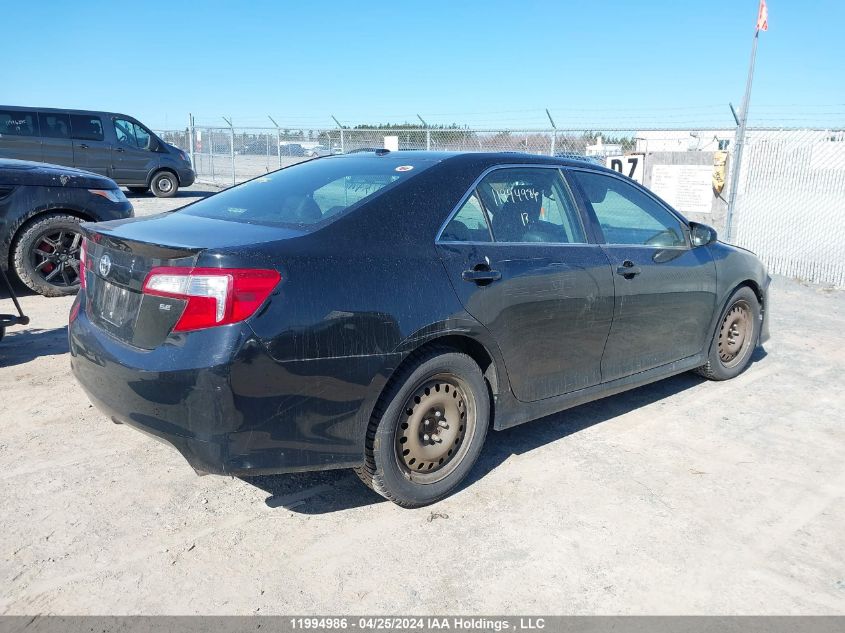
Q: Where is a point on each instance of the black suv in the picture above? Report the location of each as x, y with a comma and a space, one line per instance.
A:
106, 143
41, 208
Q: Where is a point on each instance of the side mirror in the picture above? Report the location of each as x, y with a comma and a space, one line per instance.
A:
701, 234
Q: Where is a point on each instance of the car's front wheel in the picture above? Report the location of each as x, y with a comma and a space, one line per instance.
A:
736, 337
46, 255
164, 184
427, 429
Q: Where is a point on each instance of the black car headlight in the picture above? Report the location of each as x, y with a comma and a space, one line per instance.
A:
113, 195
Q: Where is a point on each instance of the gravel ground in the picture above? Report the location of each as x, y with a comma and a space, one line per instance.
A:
685, 496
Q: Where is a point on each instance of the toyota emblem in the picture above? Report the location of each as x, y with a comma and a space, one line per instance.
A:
105, 265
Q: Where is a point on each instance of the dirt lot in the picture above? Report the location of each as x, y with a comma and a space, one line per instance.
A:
685, 496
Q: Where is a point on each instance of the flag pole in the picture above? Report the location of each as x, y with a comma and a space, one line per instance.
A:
740, 138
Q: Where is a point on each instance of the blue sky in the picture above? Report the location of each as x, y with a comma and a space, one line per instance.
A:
481, 63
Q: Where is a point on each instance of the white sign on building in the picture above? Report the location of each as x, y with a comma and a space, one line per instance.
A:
630, 165
688, 188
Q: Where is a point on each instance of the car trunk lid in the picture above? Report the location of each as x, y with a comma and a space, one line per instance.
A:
115, 273
121, 254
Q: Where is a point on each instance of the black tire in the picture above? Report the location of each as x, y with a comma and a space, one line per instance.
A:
736, 337
164, 184
138, 189
45, 254
433, 382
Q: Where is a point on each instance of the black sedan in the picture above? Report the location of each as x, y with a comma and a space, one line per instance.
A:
41, 208
380, 311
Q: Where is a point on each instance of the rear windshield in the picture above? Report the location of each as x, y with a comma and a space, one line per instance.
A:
309, 193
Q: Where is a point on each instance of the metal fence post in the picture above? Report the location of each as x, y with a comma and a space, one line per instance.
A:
427, 133
554, 133
231, 145
342, 147
191, 140
211, 154
740, 140
278, 140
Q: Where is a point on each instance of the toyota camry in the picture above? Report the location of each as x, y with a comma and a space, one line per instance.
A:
382, 310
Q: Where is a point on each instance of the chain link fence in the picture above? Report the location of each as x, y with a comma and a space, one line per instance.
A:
790, 203
226, 156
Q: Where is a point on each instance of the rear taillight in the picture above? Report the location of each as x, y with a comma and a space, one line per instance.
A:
83, 261
214, 296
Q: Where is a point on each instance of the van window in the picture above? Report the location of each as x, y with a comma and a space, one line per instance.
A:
54, 125
86, 128
132, 134
18, 123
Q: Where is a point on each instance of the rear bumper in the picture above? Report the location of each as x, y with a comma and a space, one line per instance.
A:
225, 405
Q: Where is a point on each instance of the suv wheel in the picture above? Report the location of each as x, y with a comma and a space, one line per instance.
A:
427, 429
46, 255
164, 184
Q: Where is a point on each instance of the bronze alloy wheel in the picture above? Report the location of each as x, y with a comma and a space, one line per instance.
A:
735, 335
436, 426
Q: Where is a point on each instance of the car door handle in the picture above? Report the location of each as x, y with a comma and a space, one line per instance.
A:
119, 149
83, 146
481, 276
628, 269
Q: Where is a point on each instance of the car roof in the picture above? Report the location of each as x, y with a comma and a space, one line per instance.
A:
479, 159
66, 111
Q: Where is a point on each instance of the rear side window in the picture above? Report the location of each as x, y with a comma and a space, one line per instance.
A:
18, 123
530, 205
54, 125
86, 128
308, 193
468, 225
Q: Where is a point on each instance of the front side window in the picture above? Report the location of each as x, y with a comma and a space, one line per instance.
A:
143, 137
628, 215
18, 123
469, 224
307, 193
54, 125
86, 128
131, 134
530, 205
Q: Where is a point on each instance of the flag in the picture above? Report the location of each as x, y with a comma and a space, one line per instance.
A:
763, 17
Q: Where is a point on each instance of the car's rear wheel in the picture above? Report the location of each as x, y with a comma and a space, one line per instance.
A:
138, 189
164, 184
735, 338
46, 255
427, 429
